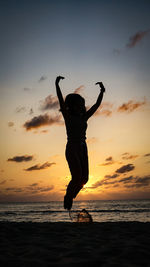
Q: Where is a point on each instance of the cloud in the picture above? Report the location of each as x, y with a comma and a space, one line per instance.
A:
31, 111
92, 140
35, 188
79, 89
14, 189
101, 183
23, 109
20, 109
130, 106
42, 78
38, 167
34, 184
108, 161
106, 112
127, 156
106, 181
50, 102
10, 124
111, 176
136, 182
136, 38
125, 168
126, 180
42, 120
106, 109
107, 105
147, 155
21, 158
142, 181
46, 189
132, 42
31, 189
44, 131
3, 182
26, 89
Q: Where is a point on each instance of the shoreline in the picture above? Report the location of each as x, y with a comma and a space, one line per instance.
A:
65, 243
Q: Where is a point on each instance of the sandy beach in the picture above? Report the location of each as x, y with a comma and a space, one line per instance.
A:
61, 244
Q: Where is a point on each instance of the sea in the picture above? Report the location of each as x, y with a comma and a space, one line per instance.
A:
100, 210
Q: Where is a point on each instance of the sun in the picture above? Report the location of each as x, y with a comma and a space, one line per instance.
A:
88, 185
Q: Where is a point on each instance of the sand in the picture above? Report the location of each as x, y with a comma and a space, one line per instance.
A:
74, 244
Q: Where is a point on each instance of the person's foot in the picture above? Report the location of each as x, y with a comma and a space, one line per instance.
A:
67, 202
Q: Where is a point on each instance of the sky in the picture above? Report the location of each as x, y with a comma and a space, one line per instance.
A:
86, 42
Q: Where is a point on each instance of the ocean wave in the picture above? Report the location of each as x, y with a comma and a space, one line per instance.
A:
26, 212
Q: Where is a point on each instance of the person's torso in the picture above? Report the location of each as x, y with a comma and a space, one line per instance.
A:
76, 126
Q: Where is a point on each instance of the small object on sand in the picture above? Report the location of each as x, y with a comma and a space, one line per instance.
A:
82, 216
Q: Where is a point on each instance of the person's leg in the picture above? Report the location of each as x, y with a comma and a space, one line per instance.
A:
84, 164
77, 157
83, 158
73, 159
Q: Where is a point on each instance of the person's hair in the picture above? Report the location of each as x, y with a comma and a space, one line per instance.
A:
72, 100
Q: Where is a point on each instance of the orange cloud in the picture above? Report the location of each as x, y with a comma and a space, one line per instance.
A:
92, 140
21, 158
105, 109
10, 124
136, 182
136, 38
127, 156
108, 161
50, 102
3, 182
130, 106
147, 155
125, 168
38, 167
127, 182
32, 189
105, 112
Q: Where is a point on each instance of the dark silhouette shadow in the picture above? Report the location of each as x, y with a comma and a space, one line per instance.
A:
76, 116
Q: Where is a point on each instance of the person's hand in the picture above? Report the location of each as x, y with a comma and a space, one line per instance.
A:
59, 78
101, 86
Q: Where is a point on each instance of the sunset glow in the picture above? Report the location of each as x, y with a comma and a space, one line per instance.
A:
86, 42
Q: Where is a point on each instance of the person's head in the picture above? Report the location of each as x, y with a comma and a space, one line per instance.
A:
75, 103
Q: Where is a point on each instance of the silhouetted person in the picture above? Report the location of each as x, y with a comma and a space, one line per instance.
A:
75, 116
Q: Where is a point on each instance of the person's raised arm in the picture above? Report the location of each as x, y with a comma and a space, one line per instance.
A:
59, 93
92, 110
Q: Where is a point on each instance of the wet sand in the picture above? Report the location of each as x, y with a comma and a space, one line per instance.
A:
72, 244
